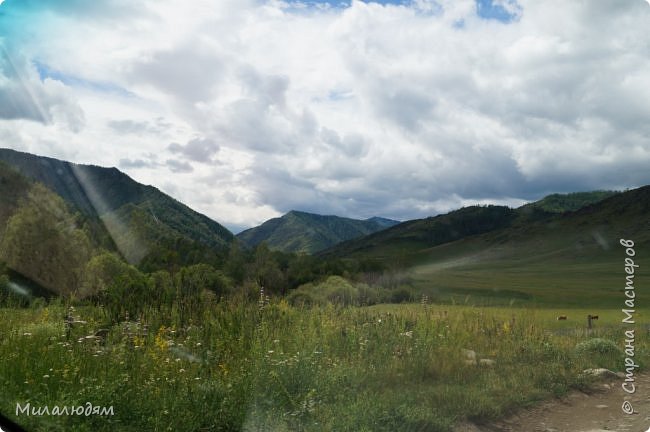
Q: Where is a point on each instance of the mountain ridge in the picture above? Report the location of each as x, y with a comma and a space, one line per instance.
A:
129, 211
299, 231
467, 221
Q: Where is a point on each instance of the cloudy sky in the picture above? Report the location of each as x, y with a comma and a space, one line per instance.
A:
246, 109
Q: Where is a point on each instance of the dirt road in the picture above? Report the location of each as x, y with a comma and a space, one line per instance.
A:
599, 411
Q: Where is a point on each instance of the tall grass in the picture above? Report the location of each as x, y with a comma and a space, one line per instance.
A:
279, 367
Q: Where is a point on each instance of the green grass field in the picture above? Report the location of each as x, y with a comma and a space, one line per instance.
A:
276, 367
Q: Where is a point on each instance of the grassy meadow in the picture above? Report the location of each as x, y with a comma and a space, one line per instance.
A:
276, 367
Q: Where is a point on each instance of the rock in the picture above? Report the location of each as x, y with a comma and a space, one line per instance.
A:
600, 373
469, 354
466, 427
487, 362
602, 406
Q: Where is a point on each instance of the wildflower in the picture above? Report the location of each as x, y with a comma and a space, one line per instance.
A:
181, 370
46, 376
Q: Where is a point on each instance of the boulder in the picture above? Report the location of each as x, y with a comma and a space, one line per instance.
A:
601, 373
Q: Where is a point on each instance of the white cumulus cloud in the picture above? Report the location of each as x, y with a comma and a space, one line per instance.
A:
254, 108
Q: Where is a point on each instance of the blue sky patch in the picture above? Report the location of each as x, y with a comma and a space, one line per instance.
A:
45, 71
488, 9
347, 3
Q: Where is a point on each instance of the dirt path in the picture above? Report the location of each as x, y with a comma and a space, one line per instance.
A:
599, 411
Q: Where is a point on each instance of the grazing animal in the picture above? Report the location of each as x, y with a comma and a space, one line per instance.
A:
561, 318
590, 318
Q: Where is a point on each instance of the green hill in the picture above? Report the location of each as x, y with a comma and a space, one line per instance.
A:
561, 203
458, 224
145, 224
424, 233
572, 259
309, 233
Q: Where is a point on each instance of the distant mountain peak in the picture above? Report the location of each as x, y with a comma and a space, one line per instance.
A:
300, 231
383, 221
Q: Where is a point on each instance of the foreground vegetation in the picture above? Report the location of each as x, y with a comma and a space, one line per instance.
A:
178, 326
273, 366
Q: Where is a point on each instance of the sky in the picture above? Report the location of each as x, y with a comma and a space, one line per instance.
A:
246, 109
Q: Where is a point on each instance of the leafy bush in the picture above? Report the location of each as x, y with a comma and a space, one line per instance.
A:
340, 291
301, 298
601, 352
334, 289
402, 294
598, 346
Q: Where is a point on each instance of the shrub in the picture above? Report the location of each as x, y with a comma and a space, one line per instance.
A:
301, 298
601, 352
401, 295
598, 346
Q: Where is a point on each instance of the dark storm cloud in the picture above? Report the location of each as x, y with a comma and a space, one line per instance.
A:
139, 127
178, 166
197, 149
137, 163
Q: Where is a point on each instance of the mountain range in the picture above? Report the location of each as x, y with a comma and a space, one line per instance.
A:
137, 218
62, 211
308, 233
468, 221
497, 255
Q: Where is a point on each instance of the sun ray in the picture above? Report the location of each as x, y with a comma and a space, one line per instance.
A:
25, 86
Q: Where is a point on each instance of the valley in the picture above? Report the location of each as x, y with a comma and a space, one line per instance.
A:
307, 322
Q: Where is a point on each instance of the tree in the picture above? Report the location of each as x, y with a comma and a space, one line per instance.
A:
162, 286
120, 287
266, 271
235, 265
43, 242
191, 282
